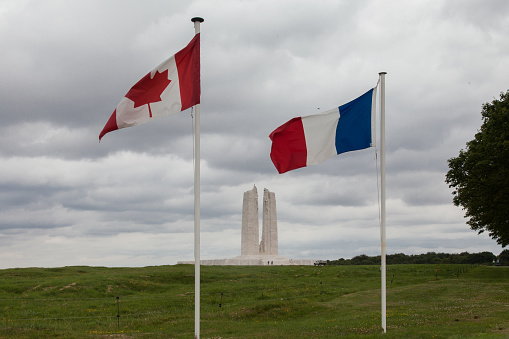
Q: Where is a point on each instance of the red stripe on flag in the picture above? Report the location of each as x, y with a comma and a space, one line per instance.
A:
111, 125
188, 67
289, 150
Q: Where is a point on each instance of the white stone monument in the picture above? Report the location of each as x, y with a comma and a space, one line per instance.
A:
253, 252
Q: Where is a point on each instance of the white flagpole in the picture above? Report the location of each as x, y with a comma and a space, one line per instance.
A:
382, 198
197, 22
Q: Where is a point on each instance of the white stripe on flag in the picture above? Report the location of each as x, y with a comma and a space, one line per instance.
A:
320, 133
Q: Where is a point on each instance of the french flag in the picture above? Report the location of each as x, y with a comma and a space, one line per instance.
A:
312, 139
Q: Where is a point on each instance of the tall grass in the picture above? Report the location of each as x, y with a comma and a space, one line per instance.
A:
423, 301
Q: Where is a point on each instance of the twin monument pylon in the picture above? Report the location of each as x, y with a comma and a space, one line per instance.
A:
250, 227
252, 250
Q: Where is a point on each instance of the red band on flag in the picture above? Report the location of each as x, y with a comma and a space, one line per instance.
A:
111, 125
188, 65
288, 150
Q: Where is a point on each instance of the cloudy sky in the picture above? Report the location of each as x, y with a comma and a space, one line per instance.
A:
66, 199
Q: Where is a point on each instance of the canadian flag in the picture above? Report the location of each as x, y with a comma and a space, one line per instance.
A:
171, 87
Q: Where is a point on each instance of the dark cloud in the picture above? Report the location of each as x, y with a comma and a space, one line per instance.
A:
66, 65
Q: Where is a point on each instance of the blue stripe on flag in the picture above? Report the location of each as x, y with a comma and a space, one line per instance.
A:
354, 126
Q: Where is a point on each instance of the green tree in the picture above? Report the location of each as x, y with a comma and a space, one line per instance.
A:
480, 173
504, 257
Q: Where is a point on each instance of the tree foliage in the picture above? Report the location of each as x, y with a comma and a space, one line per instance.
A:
504, 257
480, 173
427, 258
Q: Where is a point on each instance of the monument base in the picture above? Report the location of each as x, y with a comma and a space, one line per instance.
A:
253, 260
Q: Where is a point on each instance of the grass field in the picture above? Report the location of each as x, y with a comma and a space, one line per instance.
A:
423, 301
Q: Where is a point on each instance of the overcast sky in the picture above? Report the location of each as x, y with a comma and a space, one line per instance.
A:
66, 199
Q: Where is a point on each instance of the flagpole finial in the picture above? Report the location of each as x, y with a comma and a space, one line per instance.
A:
197, 21
382, 73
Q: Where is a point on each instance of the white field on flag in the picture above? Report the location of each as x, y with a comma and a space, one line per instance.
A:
320, 132
128, 115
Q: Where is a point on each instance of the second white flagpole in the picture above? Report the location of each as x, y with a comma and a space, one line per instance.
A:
383, 267
197, 22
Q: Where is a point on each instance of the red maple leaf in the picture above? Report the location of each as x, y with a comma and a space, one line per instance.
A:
148, 89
